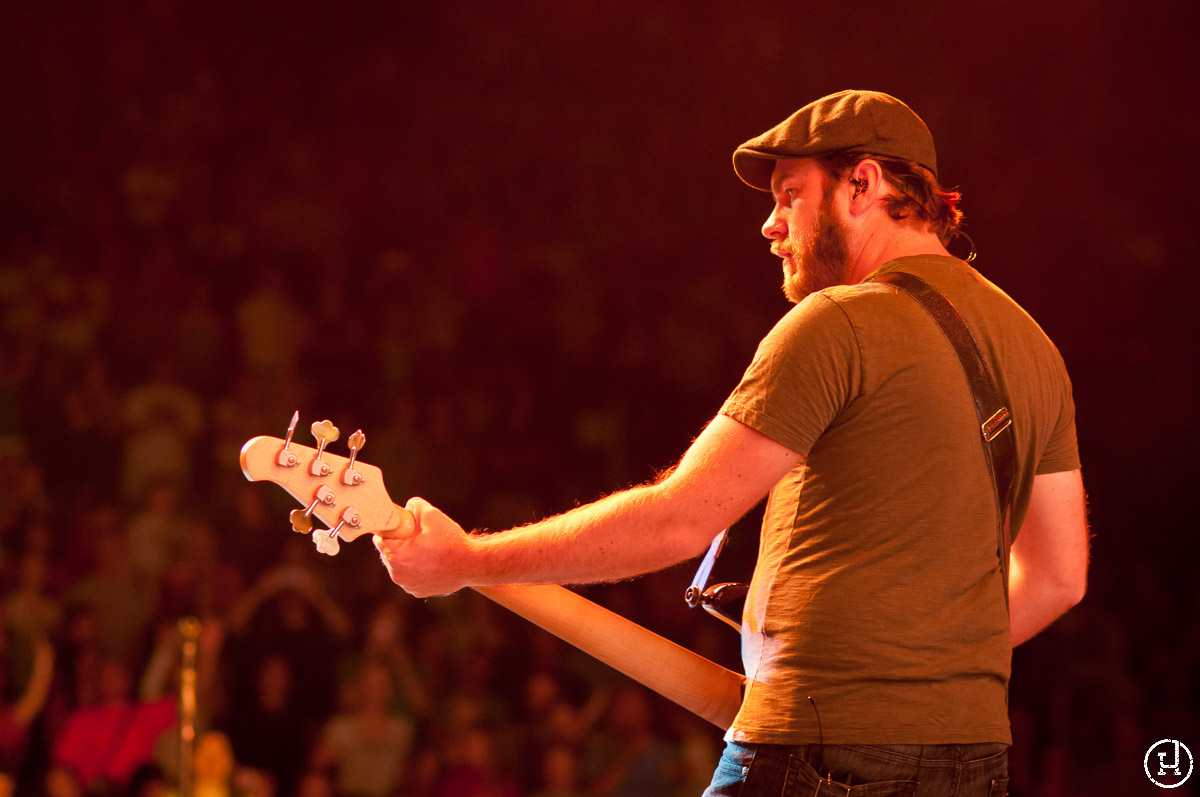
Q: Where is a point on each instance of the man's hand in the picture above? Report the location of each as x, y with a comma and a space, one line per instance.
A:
435, 559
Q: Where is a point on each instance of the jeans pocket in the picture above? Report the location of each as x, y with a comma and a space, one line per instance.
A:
804, 781
999, 788
730, 775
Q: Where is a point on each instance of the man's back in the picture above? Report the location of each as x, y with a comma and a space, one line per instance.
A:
877, 591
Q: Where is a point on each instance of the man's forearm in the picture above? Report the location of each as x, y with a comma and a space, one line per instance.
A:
1049, 560
1034, 603
626, 534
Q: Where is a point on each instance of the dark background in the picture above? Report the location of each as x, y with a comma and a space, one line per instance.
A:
515, 253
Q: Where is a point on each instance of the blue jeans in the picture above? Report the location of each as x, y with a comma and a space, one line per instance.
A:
906, 770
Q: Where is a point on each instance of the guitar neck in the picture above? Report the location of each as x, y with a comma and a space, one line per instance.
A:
701, 686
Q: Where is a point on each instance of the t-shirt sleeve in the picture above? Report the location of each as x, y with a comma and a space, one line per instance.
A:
805, 372
1062, 448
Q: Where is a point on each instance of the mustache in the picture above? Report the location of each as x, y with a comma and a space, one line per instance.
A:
782, 247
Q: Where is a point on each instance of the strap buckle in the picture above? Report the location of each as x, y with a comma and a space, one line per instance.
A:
1001, 419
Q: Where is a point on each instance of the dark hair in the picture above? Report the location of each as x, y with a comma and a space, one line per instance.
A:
918, 193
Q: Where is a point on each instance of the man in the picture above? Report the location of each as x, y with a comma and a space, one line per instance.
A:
875, 636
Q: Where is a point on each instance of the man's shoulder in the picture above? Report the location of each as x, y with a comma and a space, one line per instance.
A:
873, 304
857, 300
956, 280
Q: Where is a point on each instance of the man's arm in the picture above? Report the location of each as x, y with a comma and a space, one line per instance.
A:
1049, 561
724, 473
33, 700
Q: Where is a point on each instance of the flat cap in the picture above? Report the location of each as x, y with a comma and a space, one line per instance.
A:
869, 122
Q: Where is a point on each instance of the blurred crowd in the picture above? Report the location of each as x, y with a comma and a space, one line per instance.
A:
199, 240
313, 676
188, 263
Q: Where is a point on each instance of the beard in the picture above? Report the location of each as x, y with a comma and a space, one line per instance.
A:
819, 260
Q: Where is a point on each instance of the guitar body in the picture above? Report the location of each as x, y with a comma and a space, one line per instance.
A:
349, 496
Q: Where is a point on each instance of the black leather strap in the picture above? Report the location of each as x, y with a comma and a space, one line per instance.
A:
995, 420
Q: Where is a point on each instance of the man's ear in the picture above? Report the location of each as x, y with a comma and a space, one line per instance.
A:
867, 185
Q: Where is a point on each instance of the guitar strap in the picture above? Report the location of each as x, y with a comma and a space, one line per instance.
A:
994, 418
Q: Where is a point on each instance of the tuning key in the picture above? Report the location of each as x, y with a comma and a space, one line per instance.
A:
286, 458
325, 433
301, 521
356, 443
302, 518
350, 517
327, 542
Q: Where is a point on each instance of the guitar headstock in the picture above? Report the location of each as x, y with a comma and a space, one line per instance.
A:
345, 493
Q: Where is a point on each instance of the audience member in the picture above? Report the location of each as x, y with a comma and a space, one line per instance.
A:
106, 743
367, 745
22, 702
268, 729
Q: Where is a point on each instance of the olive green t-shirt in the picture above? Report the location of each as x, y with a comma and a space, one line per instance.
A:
877, 591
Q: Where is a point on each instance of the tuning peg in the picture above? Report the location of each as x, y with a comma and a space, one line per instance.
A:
325, 433
302, 518
301, 522
356, 443
350, 517
327, 543
286, 458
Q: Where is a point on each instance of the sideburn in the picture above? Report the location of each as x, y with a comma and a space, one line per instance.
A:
826, 262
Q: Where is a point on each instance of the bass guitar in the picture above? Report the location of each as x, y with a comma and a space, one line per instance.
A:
349, 496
